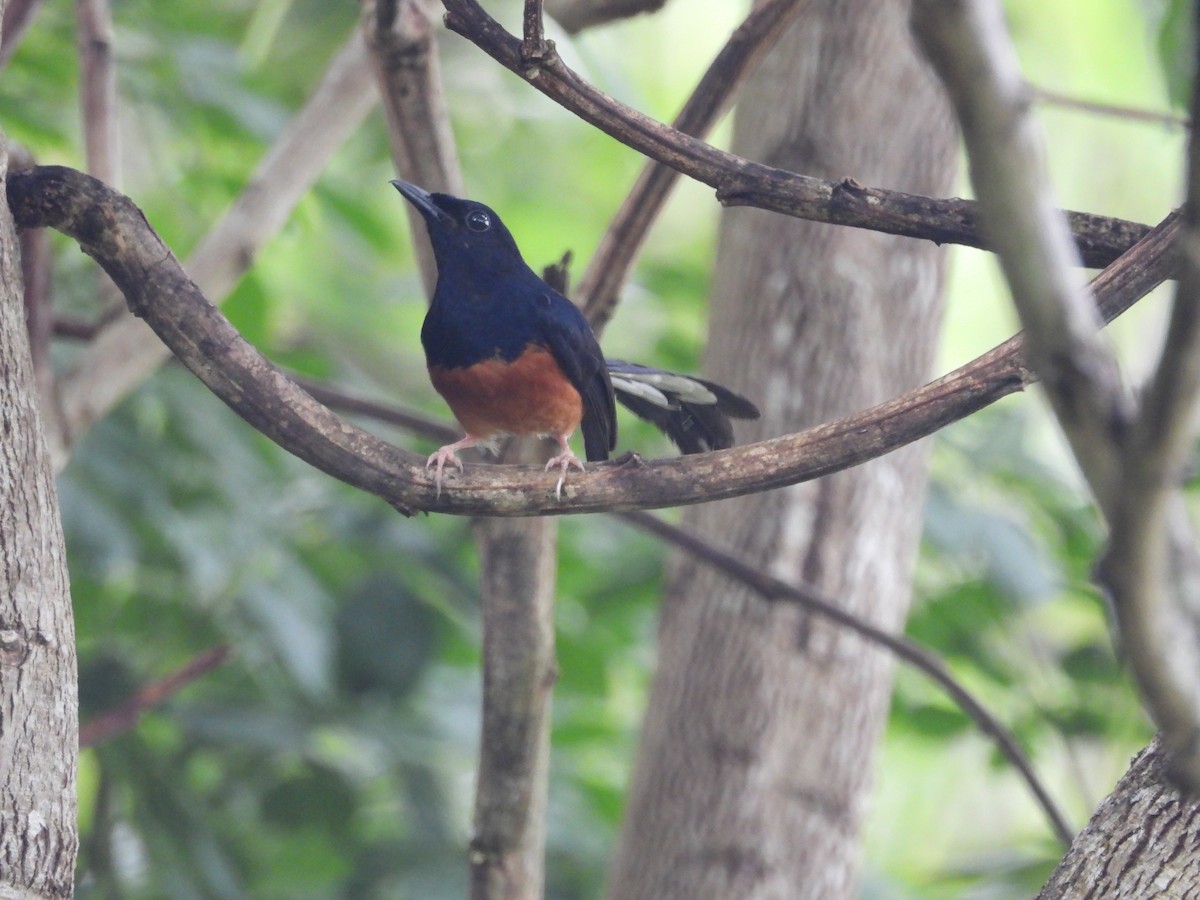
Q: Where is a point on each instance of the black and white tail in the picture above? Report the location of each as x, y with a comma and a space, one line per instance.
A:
692, 412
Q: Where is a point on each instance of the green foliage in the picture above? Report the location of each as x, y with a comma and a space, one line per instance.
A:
333, 754
1004, 595
330, 756
1176, 46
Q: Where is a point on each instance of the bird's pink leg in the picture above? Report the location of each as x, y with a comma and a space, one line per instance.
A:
564, 461
449, 454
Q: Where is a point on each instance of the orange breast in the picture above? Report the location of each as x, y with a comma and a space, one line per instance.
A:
529, 395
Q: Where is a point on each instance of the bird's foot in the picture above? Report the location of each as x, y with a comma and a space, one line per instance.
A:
563, 461
439, 458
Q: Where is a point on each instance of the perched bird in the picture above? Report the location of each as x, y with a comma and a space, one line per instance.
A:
512, 356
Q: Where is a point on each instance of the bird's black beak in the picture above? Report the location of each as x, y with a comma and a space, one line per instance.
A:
420, 198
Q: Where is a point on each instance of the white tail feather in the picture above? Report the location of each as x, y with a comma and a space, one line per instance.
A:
683, 387
637, 388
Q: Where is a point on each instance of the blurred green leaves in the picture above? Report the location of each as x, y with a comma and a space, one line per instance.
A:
1176, 46
333, 753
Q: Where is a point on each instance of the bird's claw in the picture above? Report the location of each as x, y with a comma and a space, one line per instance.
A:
439, 458
564, 461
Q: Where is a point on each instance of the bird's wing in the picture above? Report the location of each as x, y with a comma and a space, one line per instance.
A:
573, 344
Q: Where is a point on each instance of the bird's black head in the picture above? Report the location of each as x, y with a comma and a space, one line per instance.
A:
462, 229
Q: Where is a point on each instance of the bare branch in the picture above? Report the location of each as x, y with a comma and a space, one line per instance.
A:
967, 44
403, 54
1133, 465
533, 45
111, 229
743, 182
125, 352
614, 258
576, 15
383, 412
98, 89
1116, 111
1152, 564
125, 716
18, 14
772, 590
920, 658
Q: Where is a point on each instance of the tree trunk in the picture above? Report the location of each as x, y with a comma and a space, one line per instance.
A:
754, 768
517, 580
38, 699
1140, 843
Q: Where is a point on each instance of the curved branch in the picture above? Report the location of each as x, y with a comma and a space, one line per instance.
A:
18, 16
123, 353
124, 717
110, 228
1133, 459
771, 590
576, 15
1047, 97
610, 264
1152, 564
742, 182
966, 43
921, 658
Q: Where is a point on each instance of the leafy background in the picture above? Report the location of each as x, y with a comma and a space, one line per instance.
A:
333, 754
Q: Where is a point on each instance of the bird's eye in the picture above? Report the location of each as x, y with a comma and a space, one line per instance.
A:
478, 220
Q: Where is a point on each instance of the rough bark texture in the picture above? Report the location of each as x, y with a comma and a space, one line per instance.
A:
517, 562
38, 699
1143, 841
755, 763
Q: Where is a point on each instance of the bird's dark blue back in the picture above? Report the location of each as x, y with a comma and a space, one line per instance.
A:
489, 304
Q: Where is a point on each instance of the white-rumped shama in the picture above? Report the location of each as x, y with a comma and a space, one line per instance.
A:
511, 355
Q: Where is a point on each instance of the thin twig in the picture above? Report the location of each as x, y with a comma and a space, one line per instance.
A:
114, 231
18, 15
408, 72
614, 258
743, 182
576, 15
533, 44
335, 398
772, 590
1116, 111
98, 89
125, 716
124, 353
919, 657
